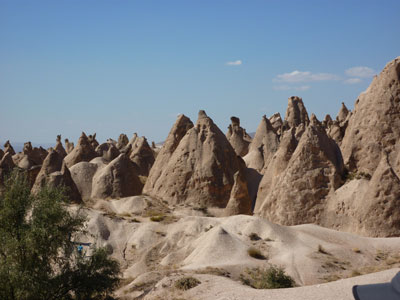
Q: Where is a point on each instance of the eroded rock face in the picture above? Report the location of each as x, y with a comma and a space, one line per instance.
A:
118, 179
29, 156
142, 155
122, 141
297, 194
276, 122
263, 146
239, 201
108, 151
83, 151
367, 207
53, 173
68, 146
82, 173
374, 126
296, 112
200, 170
178, 131
238, 137
92, 140
59, 147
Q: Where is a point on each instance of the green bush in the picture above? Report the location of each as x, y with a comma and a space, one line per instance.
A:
270, 278
186, 283
255, 253
38, 258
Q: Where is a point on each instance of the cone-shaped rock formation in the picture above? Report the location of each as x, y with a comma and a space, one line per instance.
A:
83, 151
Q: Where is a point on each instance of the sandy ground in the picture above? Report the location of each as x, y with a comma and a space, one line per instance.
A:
156, 244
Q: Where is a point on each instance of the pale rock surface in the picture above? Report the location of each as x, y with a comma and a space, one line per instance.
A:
82, 173
276, 122
83, 151
122, 141
177, 132
142, 155
277, 166
239, 202
108, 151
375, 123
68, 146
367, 207
238, 137
92, 140
200, 171
296, 112
314, 170
59, 147
116, 180
53, 173
263, 146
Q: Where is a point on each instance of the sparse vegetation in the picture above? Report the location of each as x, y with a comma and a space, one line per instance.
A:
255, 253
186, 283
356, 250
322, 250
269, 278
157, 218
254, 236
356, 175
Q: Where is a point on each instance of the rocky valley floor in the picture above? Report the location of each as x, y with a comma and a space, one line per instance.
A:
158, 244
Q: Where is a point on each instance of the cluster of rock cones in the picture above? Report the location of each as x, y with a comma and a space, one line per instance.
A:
342, 173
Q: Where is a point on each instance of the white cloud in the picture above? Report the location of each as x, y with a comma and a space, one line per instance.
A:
293, 88
234, 63
353, 80
298, 76
361, 72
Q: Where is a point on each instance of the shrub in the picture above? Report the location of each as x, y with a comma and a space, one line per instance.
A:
254, 236
158, 218
38, 257
269, 278
186, 283
255, 253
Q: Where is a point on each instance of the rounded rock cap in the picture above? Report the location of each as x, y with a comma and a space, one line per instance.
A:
379, 291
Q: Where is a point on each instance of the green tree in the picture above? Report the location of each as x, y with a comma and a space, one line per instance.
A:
38, 259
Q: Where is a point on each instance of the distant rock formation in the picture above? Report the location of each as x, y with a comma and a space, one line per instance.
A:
197, 168
263, 146
122, 141
365, 206
374, 126
68, 146
177, 132
239, 201
54, 172
118, 179
6, 166
83, 151
238, 137
29, 156
92, 140
59, 147
8, 148
142, 155
276, 122
108, 151
295, 189
82, 173
296, 113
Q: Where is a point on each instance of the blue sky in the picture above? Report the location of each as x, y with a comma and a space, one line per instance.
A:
132, 66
